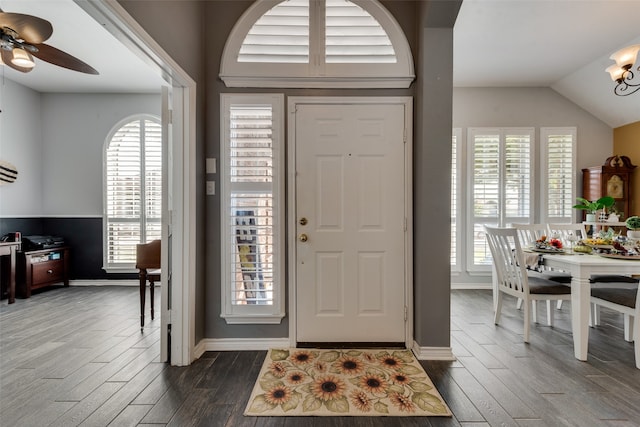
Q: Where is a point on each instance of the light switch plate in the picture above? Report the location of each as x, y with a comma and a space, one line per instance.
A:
210, 166
211, 188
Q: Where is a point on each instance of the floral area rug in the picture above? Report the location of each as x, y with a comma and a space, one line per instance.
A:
305, 382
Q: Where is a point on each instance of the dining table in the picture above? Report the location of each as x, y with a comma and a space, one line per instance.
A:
581, 267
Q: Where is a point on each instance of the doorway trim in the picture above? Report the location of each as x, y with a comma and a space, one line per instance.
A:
292, 104
182, 166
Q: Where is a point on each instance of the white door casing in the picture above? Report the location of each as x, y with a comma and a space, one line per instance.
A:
351, 182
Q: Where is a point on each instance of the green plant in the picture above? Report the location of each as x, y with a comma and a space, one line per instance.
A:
594, 206
633, 223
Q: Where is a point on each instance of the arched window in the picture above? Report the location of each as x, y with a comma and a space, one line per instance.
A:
317, 43
132, 189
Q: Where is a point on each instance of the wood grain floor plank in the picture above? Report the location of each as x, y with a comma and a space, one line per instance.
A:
62, 351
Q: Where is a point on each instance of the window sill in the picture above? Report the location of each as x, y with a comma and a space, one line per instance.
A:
273, 319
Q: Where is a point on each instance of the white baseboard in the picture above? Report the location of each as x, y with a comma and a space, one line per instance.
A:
106, 282
433, 353
239, 344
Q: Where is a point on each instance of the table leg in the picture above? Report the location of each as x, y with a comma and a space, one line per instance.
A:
12, 275
580, 296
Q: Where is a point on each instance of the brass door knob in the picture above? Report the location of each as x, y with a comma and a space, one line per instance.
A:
303, 237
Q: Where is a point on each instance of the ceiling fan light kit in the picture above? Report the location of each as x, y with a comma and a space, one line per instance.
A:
22, 58
622, 71
22, 37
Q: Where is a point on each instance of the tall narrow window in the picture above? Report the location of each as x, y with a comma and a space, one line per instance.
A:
252, 208
559, 185
502, 183
133, 190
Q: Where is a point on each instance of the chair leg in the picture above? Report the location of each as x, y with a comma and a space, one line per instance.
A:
151, 287
628, 327
527, 319
143, 281
595, 318
498, 309
559, 304
534, 307
519, 304
550, 312
636, 336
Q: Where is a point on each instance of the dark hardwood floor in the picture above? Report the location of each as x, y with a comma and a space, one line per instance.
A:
75, 356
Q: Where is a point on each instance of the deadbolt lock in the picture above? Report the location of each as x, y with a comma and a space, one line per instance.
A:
303, 221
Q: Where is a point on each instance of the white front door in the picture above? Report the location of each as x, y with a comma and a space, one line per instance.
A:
351, 222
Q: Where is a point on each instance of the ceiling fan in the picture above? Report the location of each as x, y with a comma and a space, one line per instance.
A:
22, 37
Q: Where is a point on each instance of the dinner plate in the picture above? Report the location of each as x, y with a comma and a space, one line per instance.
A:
618, 256
548, 251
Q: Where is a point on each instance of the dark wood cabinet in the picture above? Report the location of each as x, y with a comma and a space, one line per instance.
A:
613, 178
42, 268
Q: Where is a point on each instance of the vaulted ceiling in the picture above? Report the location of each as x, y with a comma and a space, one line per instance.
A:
562, 44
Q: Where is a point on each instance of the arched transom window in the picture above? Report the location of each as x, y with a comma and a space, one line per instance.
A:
317, 43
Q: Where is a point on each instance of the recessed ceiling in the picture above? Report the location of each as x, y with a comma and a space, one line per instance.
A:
76, 33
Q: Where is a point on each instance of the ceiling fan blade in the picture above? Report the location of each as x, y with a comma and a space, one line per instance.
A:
6, 59
29, 28
62, 59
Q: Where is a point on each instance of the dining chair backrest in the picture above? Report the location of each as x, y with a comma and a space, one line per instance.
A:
529, 233
508, 259
565, 230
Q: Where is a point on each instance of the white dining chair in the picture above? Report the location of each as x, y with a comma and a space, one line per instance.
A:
512, 278
625, 301
528, 235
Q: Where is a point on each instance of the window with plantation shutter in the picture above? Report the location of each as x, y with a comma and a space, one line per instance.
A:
317, 43
501, 184
252, 218
133, 190
559, 185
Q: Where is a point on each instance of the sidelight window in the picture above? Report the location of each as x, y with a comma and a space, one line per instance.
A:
252, 212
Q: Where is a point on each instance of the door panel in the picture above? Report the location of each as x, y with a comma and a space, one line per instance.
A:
350, 271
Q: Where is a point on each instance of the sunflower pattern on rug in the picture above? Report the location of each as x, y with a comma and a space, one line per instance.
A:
306, 382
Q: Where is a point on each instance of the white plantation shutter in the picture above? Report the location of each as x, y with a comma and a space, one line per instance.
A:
280, 35
251, 222
133, 190
486, 191
354, 36
317, 43
558, 160
502, 183
518, 154
251, 215
455, 178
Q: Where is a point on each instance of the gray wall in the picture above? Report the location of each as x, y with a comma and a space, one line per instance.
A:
57, 143
215, 20
21, 145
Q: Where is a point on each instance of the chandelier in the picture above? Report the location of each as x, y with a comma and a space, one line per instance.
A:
622, 71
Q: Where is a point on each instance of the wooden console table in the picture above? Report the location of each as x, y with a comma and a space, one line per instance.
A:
43, 268
9, 249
